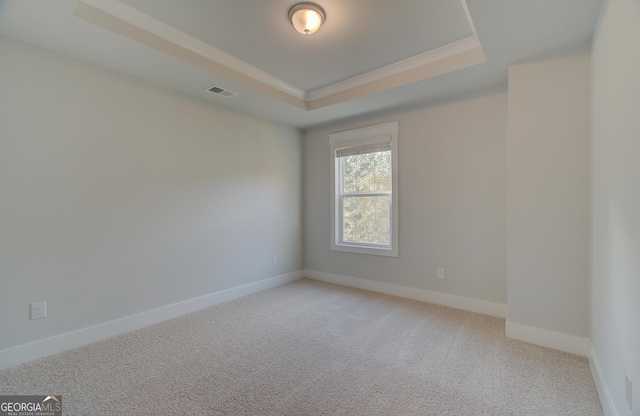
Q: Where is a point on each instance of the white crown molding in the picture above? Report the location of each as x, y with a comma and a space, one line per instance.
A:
446, 51
431, 69
138, 26
155, 27
469, 21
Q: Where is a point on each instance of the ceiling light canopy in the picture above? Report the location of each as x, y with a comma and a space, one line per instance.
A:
306, 17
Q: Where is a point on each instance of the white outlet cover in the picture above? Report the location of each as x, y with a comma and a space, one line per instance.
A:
441, 274
38, 310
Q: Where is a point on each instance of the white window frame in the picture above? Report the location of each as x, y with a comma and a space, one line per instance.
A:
358, 137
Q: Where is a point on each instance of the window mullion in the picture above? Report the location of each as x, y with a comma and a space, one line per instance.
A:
365, 194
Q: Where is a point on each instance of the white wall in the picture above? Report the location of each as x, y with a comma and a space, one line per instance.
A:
548, 194
119, 197
452, 207
615, 201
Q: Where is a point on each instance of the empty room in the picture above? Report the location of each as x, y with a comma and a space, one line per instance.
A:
250, 207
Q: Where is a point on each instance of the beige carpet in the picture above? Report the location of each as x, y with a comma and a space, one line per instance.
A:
310, 348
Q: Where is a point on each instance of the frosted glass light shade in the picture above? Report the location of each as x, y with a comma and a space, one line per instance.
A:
306, 17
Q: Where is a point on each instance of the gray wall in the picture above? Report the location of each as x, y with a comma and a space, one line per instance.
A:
548, 194
120, 197
615, 202
452, 190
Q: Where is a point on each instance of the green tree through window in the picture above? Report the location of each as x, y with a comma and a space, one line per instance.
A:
366, 197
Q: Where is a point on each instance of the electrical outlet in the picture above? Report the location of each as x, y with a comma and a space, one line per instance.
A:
274, 260
628, 391
440, 272
38, 310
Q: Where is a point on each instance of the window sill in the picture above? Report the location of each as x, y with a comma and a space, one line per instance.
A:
374, 251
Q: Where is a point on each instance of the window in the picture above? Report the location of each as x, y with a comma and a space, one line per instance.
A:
364, 184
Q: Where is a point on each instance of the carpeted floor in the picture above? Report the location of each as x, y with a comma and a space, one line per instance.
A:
310, 348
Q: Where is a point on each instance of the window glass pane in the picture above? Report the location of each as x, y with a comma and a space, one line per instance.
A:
366, 219
370, 172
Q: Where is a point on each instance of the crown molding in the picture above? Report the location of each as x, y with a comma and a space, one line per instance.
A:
410, 70
468, 14
409, 64
135, 25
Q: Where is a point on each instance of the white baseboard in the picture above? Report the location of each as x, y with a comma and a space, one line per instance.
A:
42, 348
546, 338
458, 302
601, 386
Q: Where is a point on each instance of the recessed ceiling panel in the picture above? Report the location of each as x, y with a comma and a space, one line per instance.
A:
508, 31
363, 35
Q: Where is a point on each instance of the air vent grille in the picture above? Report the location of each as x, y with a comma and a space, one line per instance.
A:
221, 92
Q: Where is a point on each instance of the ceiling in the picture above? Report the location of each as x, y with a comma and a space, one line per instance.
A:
369, 56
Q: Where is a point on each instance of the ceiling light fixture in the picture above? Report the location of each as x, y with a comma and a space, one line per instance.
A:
306, 17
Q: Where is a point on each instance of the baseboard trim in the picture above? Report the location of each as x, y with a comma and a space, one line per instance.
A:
42, 348
546, 338
601, 386
458, 302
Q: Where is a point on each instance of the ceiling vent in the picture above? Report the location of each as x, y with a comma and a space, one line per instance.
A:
221, 92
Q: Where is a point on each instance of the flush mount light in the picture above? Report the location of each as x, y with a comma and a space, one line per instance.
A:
306, 17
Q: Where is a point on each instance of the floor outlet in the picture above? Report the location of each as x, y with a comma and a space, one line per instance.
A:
38, 310
440, 272
629, 391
